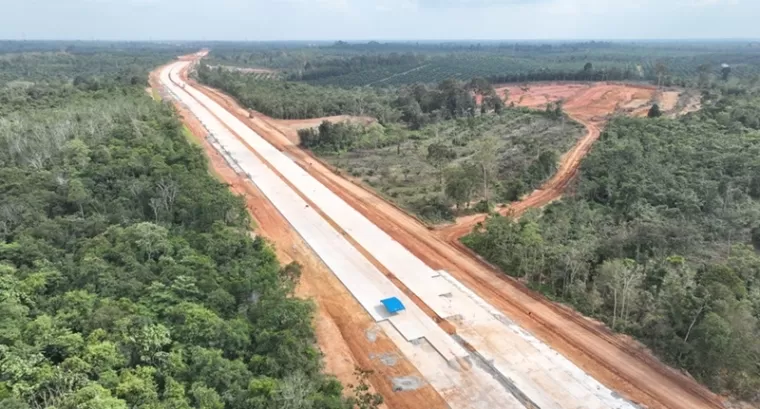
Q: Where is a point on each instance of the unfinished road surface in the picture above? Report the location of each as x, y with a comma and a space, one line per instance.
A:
489, 362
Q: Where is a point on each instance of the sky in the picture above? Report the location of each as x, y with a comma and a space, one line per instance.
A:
266, 20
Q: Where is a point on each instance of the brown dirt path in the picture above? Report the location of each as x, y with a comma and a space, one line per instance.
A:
341, 324
615, 361
550, 191
589, 104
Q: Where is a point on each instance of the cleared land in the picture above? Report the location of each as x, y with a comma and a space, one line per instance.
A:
589, 104
614, 361
259, 73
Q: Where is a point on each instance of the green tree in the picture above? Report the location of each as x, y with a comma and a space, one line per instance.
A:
704, 75
620, 278
660, 69
206, 398
654, 111
486, 157
77, 194
725, 72
93, 396
460, 184
439, 155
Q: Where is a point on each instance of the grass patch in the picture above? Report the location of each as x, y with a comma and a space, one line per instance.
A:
190, 136
194, 140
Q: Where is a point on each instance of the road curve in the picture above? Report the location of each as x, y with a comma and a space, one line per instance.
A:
550, 191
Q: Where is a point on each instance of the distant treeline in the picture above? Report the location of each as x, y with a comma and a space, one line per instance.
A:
391, 64
332, 67
609, 74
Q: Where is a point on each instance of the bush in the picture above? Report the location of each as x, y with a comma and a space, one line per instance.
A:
434, 209
483, 207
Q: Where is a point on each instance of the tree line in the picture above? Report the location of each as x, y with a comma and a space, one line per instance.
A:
588, 73
407, 63
318, 69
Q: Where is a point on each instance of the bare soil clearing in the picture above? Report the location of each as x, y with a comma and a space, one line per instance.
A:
341, 323
590, 104
669, 100
618, 363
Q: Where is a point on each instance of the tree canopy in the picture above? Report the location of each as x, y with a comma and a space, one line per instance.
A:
128, 278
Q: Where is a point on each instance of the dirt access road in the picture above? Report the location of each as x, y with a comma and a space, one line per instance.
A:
589, 104
616, 362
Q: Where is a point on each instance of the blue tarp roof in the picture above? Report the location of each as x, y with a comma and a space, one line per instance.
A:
393, 305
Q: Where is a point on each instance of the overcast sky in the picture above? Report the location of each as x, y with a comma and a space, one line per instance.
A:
377, 19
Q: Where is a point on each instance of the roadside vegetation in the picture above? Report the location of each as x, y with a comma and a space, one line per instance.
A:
660, 239
456, 166
128, 278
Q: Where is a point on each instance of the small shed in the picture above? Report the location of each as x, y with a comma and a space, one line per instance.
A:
393, 305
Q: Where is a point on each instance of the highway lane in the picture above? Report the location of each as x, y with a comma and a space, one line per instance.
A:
433, 351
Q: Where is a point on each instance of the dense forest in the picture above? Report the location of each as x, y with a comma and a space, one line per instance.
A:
659, 240
128, 278
59, 62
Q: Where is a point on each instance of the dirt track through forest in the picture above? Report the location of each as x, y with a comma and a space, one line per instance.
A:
613, 360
